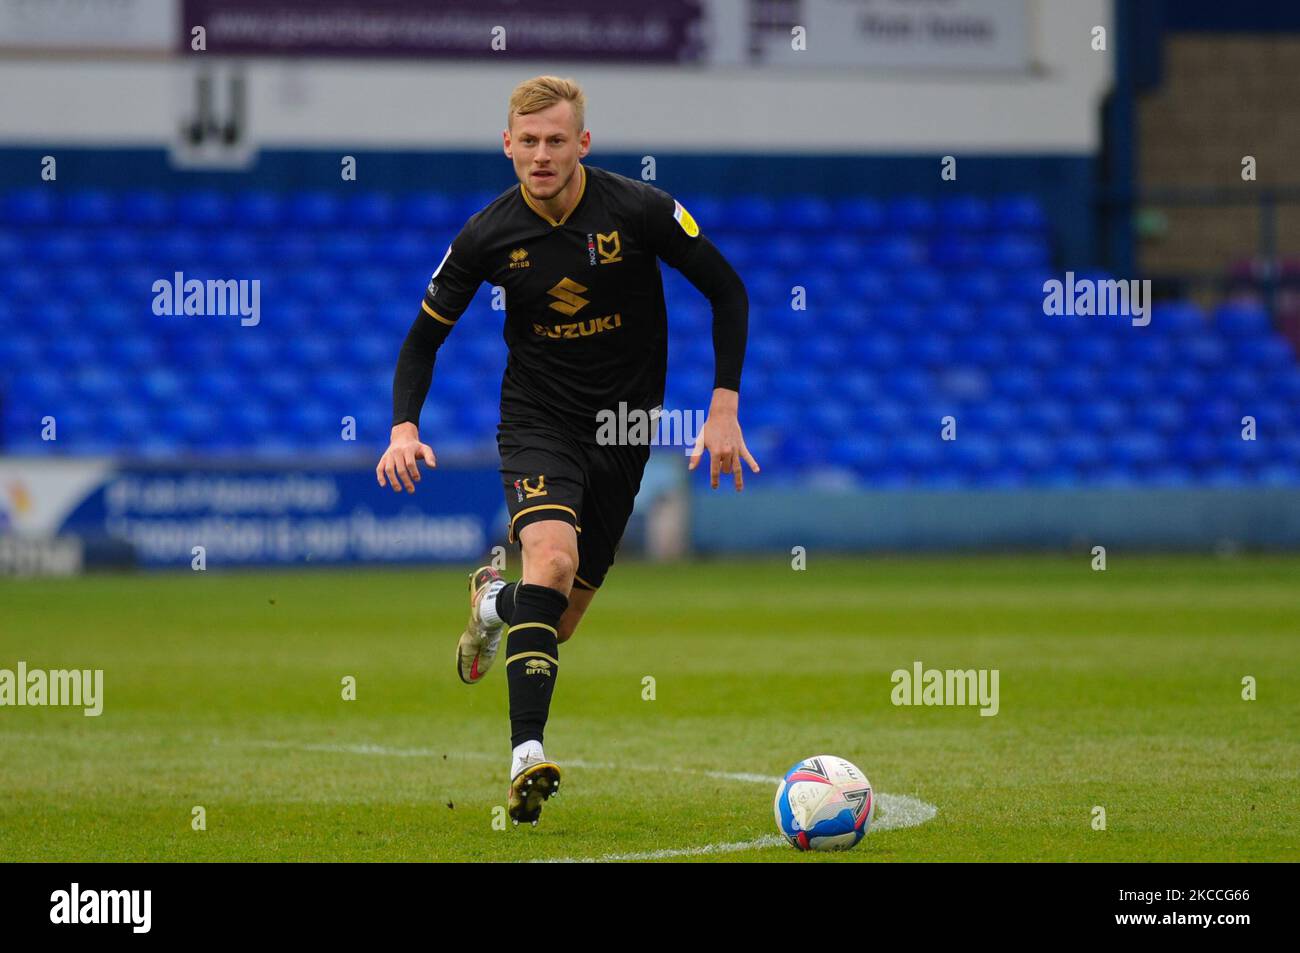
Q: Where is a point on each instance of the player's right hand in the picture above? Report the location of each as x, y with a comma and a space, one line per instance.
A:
401, 461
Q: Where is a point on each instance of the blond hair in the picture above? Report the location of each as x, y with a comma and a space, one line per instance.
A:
542, 92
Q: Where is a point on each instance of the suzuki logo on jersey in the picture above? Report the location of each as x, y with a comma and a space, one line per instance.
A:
569, 293
582, 329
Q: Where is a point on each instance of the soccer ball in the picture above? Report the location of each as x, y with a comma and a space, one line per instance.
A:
824, 803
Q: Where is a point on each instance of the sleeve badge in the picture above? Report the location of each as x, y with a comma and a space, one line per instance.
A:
684, 219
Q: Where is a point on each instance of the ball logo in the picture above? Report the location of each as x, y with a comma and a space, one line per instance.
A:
815, 766
860, 801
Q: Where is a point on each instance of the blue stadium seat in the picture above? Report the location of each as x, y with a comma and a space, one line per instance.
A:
1159, 415
114, 246
314, 209
860, 213
992, 417
751, 213
896, 251
709, 211
1095, 351
207, 208
975, 286
868, 285
1137, 448
1242, 320
974, 453
1018, 382
987, 350
910, 214
883, 415
927, 350
370, 210
1018, 213
1030, 452
809, 213
89, 207
1204, 349
920, 453
423, 250
963, 383
58, 248
146, 207
964, 214
1262, 351
1081, 450
918, 285
38, 206
955, 250
915, 308
1177, 317
1014, 253
259, 209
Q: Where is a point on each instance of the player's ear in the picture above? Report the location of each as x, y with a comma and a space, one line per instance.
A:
505, 142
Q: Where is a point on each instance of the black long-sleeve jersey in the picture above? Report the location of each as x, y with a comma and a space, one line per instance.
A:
586, 325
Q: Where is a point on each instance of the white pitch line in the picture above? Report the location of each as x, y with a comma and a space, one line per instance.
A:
771, 840
898, 811
902, 810
480, 756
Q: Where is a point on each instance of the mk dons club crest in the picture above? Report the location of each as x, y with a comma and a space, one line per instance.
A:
609, 247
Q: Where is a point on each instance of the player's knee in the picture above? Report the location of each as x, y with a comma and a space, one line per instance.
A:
555, 566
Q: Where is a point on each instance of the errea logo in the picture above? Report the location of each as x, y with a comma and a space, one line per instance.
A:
519, 258
537, 666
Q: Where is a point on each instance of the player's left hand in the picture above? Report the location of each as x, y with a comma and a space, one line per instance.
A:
721, 436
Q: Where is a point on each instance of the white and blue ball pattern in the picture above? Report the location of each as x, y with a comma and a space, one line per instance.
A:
824, 803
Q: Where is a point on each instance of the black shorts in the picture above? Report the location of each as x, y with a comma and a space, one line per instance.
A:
549, 475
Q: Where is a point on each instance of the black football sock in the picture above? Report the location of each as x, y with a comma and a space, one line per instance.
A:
532, 659
506, 602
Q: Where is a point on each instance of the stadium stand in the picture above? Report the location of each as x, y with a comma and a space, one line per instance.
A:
916, 309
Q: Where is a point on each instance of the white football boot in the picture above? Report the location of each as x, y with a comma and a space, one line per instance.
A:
478, 645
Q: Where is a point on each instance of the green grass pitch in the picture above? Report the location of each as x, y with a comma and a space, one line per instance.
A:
1120, 689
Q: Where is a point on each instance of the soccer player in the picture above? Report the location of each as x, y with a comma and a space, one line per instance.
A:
576, 250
